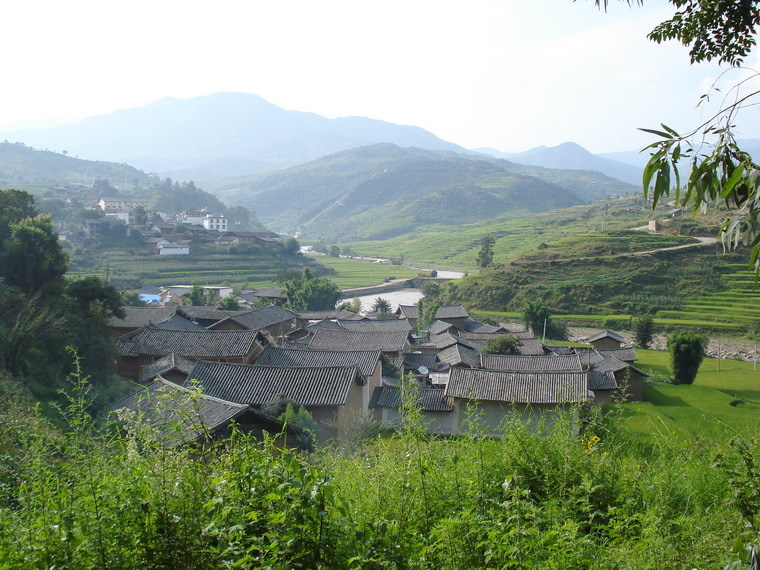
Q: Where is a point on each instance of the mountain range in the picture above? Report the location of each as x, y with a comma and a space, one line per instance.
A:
233, 134
383, 191
572, 156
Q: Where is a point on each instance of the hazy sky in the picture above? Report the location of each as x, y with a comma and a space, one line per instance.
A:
507, 74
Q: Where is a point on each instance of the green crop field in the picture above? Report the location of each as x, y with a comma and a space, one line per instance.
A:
351, 273
457, 247
721, 402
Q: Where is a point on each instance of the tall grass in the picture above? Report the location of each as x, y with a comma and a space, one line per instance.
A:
560, 494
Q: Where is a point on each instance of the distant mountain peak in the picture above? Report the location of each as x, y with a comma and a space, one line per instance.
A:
219, 135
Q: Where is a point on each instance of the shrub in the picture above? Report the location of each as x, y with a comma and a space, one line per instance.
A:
643, 330
687, 350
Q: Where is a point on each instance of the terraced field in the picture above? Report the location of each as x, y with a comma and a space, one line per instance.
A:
203, 266
733, 309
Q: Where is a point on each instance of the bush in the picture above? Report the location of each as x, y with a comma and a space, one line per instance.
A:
643, 330
687, 350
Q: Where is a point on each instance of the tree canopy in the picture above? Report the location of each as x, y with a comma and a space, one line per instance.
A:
485, 256
308, 292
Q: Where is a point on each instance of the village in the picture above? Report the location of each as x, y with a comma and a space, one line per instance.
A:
349, 370
160, 233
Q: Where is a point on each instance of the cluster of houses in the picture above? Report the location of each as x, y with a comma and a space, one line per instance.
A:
345, 369
160, 232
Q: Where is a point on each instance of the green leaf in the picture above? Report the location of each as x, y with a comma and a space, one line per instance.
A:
736, 175
656, 132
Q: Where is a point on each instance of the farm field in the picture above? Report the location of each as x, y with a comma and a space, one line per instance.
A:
457, 248
721, 403
209, 267
359, 273
203, 266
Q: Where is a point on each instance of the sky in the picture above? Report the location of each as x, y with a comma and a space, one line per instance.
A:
504, 74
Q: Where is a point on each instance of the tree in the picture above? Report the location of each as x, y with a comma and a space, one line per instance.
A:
310, 293
31, 258
426, 313
720, 171
430, 289
723, 30
333, 251
485, 257
15, 205
229, 304
535, 315
198, 297
381, 305
94, 297
501, 345
687, 350
643, 330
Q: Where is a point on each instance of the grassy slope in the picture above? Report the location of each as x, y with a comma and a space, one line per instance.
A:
703, 409
457, 247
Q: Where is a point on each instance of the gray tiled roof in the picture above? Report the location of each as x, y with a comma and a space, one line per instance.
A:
330, 314
531, 347
324, 324
392, 341
606, 334
476, 327
209, 314
469, 335
409, 311
257, 385
413, 361
263, 318
165, 364
383, 325
203, 343
451, 312
138, 317
624, 354
601, 380
459, 354
366, 360
530, 363
173, 408
177, 323
588, 356
431, 399
443, 340
610, 364
518, 387
439, 327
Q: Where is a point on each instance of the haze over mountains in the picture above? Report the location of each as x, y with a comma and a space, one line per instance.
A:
381, 191
233, 134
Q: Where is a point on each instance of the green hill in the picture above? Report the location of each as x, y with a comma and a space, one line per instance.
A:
382, 191
601, 273
21, 165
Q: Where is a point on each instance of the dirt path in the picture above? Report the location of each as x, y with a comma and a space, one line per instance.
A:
702, 241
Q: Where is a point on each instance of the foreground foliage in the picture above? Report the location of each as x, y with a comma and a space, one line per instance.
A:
91, 498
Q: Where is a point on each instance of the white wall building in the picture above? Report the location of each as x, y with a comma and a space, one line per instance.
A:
212, 222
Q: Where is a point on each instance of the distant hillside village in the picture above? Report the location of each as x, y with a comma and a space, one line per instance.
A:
160, 233
345, 368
